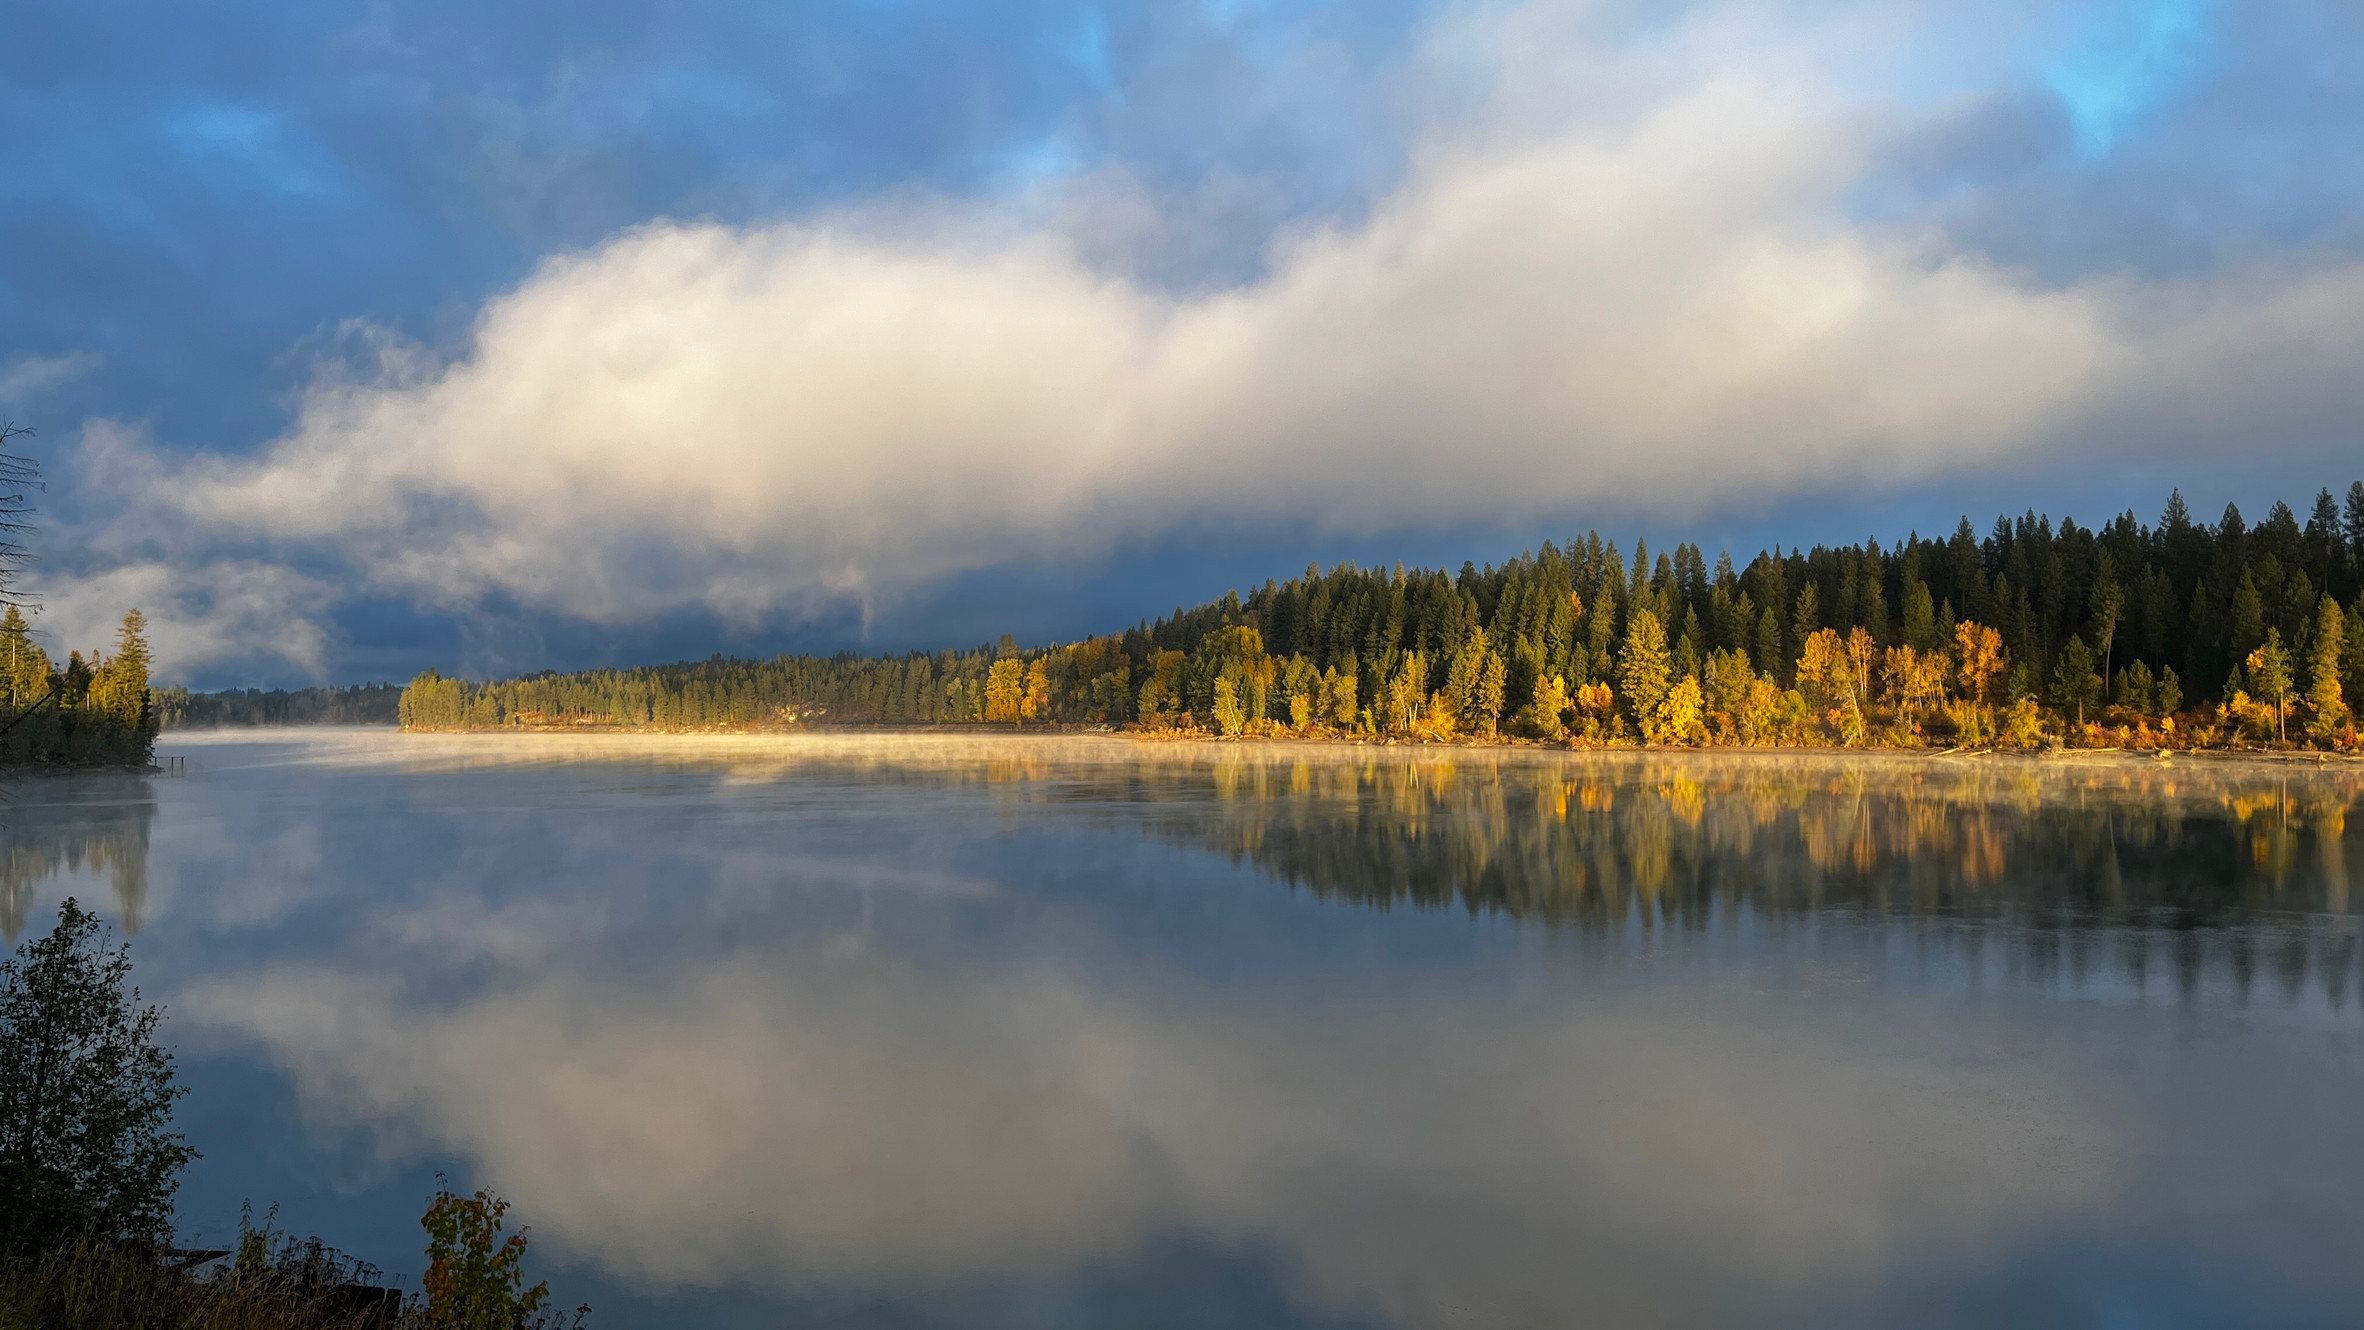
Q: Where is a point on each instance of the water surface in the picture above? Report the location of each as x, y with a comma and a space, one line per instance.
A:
917, 1031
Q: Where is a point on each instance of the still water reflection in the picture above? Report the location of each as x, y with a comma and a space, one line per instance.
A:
921, 1032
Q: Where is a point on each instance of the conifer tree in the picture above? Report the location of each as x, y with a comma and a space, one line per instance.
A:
24, 667
2355, 527
2269, 674
1491, 684
1461, 677
1920, 618
1643, 668
2351, 651
2249, 621
2074, 686
1768, 643
2325, 540
1806, 616
1544, 715
2324, 698
2107, 603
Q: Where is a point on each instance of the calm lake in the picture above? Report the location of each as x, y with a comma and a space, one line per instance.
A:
914, 1031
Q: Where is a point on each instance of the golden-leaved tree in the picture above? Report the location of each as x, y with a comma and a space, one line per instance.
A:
1005, 691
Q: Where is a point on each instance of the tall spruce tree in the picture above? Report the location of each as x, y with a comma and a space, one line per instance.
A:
1643, 668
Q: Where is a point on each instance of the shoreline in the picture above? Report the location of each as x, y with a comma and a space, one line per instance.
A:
2219, 757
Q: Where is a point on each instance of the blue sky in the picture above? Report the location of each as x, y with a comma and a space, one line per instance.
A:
363, 337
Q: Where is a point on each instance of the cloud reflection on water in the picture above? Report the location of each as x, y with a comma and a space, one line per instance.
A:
1767, 1040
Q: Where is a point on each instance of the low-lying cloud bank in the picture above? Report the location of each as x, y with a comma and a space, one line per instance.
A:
1630, 281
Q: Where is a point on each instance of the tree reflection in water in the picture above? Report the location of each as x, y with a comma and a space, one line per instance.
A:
2082, 863
99, 830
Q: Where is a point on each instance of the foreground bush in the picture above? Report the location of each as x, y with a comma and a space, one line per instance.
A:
87, 1148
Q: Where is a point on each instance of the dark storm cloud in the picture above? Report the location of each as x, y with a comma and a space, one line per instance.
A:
932, 289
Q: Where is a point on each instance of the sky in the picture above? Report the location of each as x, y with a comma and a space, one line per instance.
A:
360, 338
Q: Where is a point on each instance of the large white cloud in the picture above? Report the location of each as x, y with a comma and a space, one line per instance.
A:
1627, 278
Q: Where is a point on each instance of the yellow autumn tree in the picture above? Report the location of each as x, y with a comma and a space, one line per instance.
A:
1544, 716
1035, 703
1230, 716
1597, 703
2269, 673
1335, 704
1405, 699
1979, 659
1863, 655
1680, 717
1915, 682
1005, 690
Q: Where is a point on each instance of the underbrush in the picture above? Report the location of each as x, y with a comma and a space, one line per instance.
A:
101, 1288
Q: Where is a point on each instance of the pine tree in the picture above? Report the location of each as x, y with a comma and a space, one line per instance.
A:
24, 666
1491, 685
2351, 651
1462, 676
1806, 615
2074, 686
2326, 543
1768, 644
2355, 527
2107, 603
2249, 625
2269, 675
1544, 716
1643, 668
2324, 697
1920, 617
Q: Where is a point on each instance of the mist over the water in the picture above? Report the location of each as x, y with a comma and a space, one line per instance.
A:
943, 1030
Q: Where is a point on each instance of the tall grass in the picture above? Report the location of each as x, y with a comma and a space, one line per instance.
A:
92, 1287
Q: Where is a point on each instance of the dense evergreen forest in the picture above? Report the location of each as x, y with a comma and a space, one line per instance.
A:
358, 704
94, 712
2177, 633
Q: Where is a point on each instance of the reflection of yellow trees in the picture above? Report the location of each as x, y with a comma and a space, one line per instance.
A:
1683, 795
1679, 838
104, 837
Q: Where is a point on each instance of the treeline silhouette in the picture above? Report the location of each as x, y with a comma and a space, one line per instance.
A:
2174, 633
357, 704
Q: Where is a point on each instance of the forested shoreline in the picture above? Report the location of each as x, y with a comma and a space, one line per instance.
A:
253, 708
80, 713
76, 713
2180, 633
